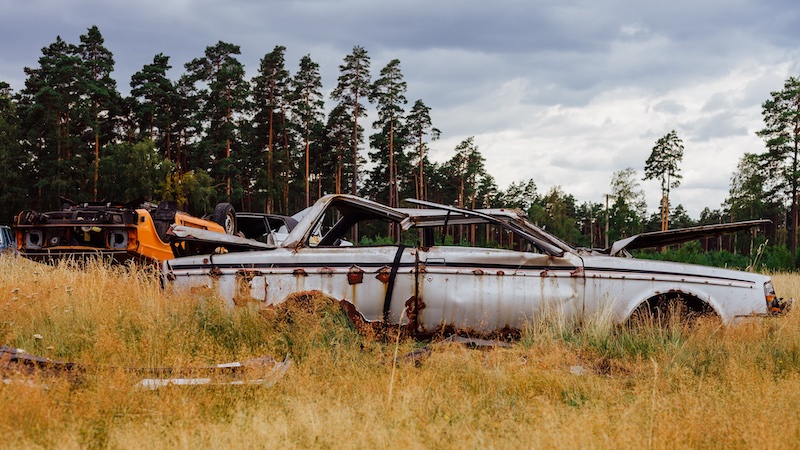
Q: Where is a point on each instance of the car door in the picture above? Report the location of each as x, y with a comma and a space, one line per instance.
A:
495, 289
376, 280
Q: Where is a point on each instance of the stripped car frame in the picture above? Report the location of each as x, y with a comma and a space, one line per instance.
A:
135, 230
431, 287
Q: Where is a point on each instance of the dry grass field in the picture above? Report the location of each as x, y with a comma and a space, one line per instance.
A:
593, 387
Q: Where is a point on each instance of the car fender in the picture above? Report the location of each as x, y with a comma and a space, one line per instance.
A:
664, 289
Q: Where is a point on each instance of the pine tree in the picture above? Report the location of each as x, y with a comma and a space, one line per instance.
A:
155, 97
338, 144
467, 167
662, 164
420, 125
781, 133
224, 103
270, 91
101, 90
14, 162
307, 108
187, 118
388, 93
353, 85
46, 108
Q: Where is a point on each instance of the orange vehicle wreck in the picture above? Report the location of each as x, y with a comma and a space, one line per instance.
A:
122, 231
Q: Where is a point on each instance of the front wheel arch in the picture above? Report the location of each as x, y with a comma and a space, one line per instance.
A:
673, 307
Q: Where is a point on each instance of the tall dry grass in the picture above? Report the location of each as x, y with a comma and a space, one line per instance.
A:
597, 386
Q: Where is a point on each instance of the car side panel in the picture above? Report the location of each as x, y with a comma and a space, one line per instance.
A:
494, 289
359, 275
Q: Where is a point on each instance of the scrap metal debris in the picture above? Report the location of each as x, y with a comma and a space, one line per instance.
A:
417, 355
476, 342
264, 371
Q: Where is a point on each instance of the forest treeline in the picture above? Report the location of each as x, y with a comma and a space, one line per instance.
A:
274, 143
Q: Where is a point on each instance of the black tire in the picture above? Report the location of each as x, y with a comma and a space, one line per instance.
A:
225, 216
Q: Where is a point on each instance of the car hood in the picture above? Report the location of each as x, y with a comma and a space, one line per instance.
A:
180, 233
649, 268
672, 237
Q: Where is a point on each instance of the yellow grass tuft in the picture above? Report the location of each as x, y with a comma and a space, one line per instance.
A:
595, 386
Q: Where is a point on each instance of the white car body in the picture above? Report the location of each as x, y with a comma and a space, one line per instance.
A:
432, 287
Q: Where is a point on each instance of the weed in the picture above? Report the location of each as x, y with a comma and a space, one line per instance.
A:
564, 383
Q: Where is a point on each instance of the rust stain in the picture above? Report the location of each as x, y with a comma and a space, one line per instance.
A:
248, 274
478, 272
244, 286
577, 272
500, 273
299, 273
355, 275
504, 334
326, 271
384, 274
215, 272
362, 326
414, 305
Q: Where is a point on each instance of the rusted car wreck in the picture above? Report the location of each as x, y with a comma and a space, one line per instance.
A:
120, 231
137, 230
422, 282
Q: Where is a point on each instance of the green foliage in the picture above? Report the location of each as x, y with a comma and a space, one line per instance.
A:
392, 171
157, 105
781, 134
556, 213
192, 190
13, 162
223, 104
662, 164
764, 258
419, 125
461, 176
628, 208
375, 240
129, 171
353, 85
308, 114
777, 258
521, 195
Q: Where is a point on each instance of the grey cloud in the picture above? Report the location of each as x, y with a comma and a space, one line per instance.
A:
722, 124
717, 102
669, 107
460, 56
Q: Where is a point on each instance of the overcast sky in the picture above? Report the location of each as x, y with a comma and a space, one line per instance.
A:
563, 92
